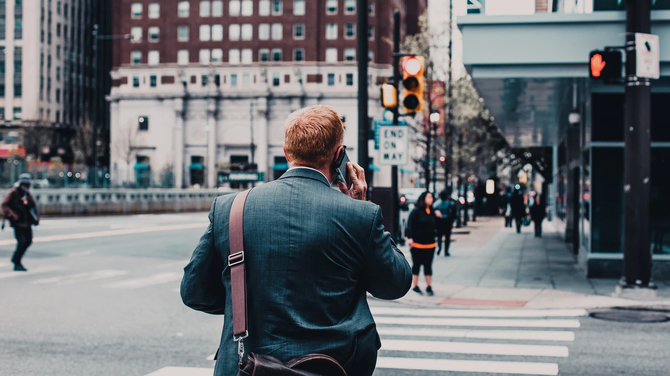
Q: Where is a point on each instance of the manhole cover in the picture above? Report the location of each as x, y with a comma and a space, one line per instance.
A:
632, 315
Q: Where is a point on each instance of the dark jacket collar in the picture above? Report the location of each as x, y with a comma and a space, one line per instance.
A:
306, 173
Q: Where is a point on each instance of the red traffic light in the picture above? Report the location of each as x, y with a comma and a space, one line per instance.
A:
412, 66
606, 65
597, 64
442, 159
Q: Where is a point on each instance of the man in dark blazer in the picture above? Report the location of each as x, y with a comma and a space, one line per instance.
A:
311, 254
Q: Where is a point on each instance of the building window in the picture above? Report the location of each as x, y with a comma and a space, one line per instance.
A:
136, 10
153, 58
331, 79
136, 57
234, 8
277, 31
264, 8
58, 52
217, 33
234, 56
299, 54
143, 124
58, 30
136, 81
247, 32
276, 54
331, 55
217, 8
233, 80
247, 8
371, 56
331, 6
57, 95
154, 34
205, 33
349, 6
17, 113
264, 55
264, 31
247, 56
204, 56
217, 55
349, 54
18, 92
136, 32
152, 80
246, 80
299, 31
57, 73
182, 33
205, 8
154, 10
371, 8
2, 93
299, 7
204, 80
350, 31
371, 32
350, 79
182, 57
275, 79
183, 9
277, 8
331, 31
234, 32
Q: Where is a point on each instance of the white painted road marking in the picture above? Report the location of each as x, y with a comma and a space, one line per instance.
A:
542, 323
183, 371
475, 348
30, 272
523, 368
81, 277
482, 334
155, 279
80, 254
478, 312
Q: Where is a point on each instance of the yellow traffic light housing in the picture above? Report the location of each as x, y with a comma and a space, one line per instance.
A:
389, 96
413, 83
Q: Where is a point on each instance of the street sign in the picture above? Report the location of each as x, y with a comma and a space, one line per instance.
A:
393, 145
647, 55
379, 123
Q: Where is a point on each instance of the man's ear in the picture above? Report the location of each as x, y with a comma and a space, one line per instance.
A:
285, 154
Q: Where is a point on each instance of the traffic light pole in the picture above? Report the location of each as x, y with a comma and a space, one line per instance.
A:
637, 156
362, 57
396, 84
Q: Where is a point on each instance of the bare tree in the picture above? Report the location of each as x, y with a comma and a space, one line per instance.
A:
82, 142
124, 145
35, 138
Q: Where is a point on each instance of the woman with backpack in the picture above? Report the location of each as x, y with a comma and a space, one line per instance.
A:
20, 208
420, 233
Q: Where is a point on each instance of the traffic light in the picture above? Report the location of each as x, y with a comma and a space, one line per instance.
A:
389, 96
443, 159
605, 65
413, 83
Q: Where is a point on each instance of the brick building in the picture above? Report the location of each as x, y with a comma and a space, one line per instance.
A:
205, 86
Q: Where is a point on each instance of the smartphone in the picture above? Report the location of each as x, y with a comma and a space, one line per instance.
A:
341, 167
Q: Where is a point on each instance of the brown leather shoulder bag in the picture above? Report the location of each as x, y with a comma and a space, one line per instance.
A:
256, 364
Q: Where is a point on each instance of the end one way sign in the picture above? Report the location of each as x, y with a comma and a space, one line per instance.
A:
393, 145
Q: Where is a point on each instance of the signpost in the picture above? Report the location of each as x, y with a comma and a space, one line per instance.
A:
648, 57
393, 145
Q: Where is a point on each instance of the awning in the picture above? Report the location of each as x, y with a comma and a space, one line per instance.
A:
280, 167
141, 166
372, 167
196, 166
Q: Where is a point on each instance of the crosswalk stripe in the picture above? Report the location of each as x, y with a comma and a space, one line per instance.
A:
182, 371
539, 323
81, 277
481, 334
475, 348
523, 368
30, 272
477, 312
155, 279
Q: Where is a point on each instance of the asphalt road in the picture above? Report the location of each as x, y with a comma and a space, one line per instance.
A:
101, 298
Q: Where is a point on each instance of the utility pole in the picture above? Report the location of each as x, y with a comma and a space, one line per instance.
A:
362, 56
448, 118
396, 83
429, 137
637, 156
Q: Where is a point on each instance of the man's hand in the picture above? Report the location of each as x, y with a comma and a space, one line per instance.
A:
410, 243
359, 186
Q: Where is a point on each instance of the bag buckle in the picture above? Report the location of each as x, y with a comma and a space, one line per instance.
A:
240, 346
236, 258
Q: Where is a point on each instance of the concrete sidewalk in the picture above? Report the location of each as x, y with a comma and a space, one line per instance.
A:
493, 266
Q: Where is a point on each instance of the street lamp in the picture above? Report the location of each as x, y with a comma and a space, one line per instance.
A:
434, 119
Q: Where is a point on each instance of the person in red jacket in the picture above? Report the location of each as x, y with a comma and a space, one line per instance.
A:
20, 208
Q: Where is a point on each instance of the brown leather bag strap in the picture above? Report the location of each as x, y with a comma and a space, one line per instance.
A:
238, 285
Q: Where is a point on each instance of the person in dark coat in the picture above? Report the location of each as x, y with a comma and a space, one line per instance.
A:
420, 233
447, 207
537, 213
20, 208
518, 208
506, 206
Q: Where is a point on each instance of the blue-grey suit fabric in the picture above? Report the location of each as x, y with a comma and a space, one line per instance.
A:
311, 254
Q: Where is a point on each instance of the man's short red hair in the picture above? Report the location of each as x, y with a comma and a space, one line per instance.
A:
312, 136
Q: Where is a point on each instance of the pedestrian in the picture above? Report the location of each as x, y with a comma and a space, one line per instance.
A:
518, 208
537, 213
506, 206
308, 265
420, 233
446, 207
19, 207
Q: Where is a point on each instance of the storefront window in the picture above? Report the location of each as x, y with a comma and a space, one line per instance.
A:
660, 200
607, 200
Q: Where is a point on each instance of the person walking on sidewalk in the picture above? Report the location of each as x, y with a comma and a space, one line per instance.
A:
420, 233
537, 213
19, 206
518, 208
447, 207
506, 206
